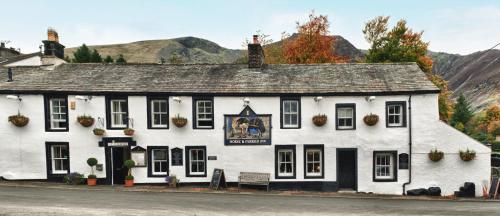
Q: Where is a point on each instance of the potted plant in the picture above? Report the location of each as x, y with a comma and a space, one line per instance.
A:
319, 120
128, 131
467, 155
179, 121
19, 120
371, 119
435, 155
129, 179
92, 178
85, 120
172, 181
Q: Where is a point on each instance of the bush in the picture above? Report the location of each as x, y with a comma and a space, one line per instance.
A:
74, 178
92, 162
459, 126
129, 164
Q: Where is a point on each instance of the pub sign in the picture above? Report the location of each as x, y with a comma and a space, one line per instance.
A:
247, 128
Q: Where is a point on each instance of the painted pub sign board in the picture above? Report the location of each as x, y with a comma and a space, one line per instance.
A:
247, 128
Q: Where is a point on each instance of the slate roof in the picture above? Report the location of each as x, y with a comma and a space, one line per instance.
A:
221, 79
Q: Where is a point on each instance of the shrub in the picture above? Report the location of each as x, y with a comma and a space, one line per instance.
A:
92, 162
74, 178
459, 126
495, 146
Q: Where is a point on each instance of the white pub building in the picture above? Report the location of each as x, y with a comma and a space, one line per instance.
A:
373, 127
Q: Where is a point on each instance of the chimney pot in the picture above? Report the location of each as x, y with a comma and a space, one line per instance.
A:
52, 35
9, 75
2, 45
255, 39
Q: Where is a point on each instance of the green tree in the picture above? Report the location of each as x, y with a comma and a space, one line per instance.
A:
462, 112
174, 59
82, 54
108, 59
95, 57
121, 60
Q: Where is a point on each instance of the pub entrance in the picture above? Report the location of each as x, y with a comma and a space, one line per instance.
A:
117, 151
347, 169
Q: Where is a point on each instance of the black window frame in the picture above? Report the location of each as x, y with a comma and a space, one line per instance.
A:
299, 110
150, 111
188, 160
276, 164
394, 166
403, 107
150, 160
48, 161
345, 105
195, 113
109, 124
315, 146
47, 110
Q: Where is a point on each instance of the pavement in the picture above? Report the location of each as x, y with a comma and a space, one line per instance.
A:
22, 198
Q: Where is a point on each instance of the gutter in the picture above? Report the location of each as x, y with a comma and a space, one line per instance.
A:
409, 146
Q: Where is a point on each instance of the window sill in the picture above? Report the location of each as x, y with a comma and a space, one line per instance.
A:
196, 175
314, 177
385, 180
284, 177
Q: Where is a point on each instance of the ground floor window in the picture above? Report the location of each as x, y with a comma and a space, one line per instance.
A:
57, 159
158, 161
313, 161
384, 166
196, 161
285, 161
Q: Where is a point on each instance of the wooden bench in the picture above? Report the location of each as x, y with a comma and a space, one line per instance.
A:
253, 178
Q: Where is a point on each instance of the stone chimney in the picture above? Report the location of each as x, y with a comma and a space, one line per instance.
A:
2, 45
255, 54
51, 46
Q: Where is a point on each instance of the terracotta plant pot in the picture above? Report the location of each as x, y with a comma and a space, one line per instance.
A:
371, 119
129, 182
85, 121
99, 131
467, 155
179, 121
91, 182
435, 155
319, 120
19, 120
129, 131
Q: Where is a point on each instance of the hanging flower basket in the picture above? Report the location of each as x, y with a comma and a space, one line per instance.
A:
19, 120
129, 131
371, 119
85, 121
320, 120
179, 121
435, 155
99, 131
467, 155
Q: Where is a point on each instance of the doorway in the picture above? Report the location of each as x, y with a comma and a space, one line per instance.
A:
347, 168
118, 155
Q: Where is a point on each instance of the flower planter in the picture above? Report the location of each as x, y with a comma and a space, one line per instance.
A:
319, 120
129, 182
371, 119
99, 131
19, 120
91, 182
435, 155
85, 121
129, 131
179, 121
467, 155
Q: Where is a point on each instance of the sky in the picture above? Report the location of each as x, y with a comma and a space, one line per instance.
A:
453, 26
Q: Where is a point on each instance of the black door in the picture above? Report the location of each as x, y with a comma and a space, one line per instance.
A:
119, 155
347, 168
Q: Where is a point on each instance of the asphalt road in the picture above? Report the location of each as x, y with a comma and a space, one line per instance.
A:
41, 201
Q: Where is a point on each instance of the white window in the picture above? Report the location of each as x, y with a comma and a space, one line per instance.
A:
290, 113
384, 166
119, 113
159, 161
197, 161
159, 113
58, 113
345, 118
395, 115
59, 159
313, 162
285, 162
204, 114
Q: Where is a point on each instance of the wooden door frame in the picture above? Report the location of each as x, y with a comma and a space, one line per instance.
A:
355, 150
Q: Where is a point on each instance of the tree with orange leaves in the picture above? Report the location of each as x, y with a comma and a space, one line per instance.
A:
312, 44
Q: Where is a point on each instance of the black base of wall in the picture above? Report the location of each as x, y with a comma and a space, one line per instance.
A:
326, 186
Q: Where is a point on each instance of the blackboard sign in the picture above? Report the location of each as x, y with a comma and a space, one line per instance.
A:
495, 184
403, 161
212, 157
218, 179
176, 157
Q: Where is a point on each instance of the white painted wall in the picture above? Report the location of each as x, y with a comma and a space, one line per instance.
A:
33, 61
23, 154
